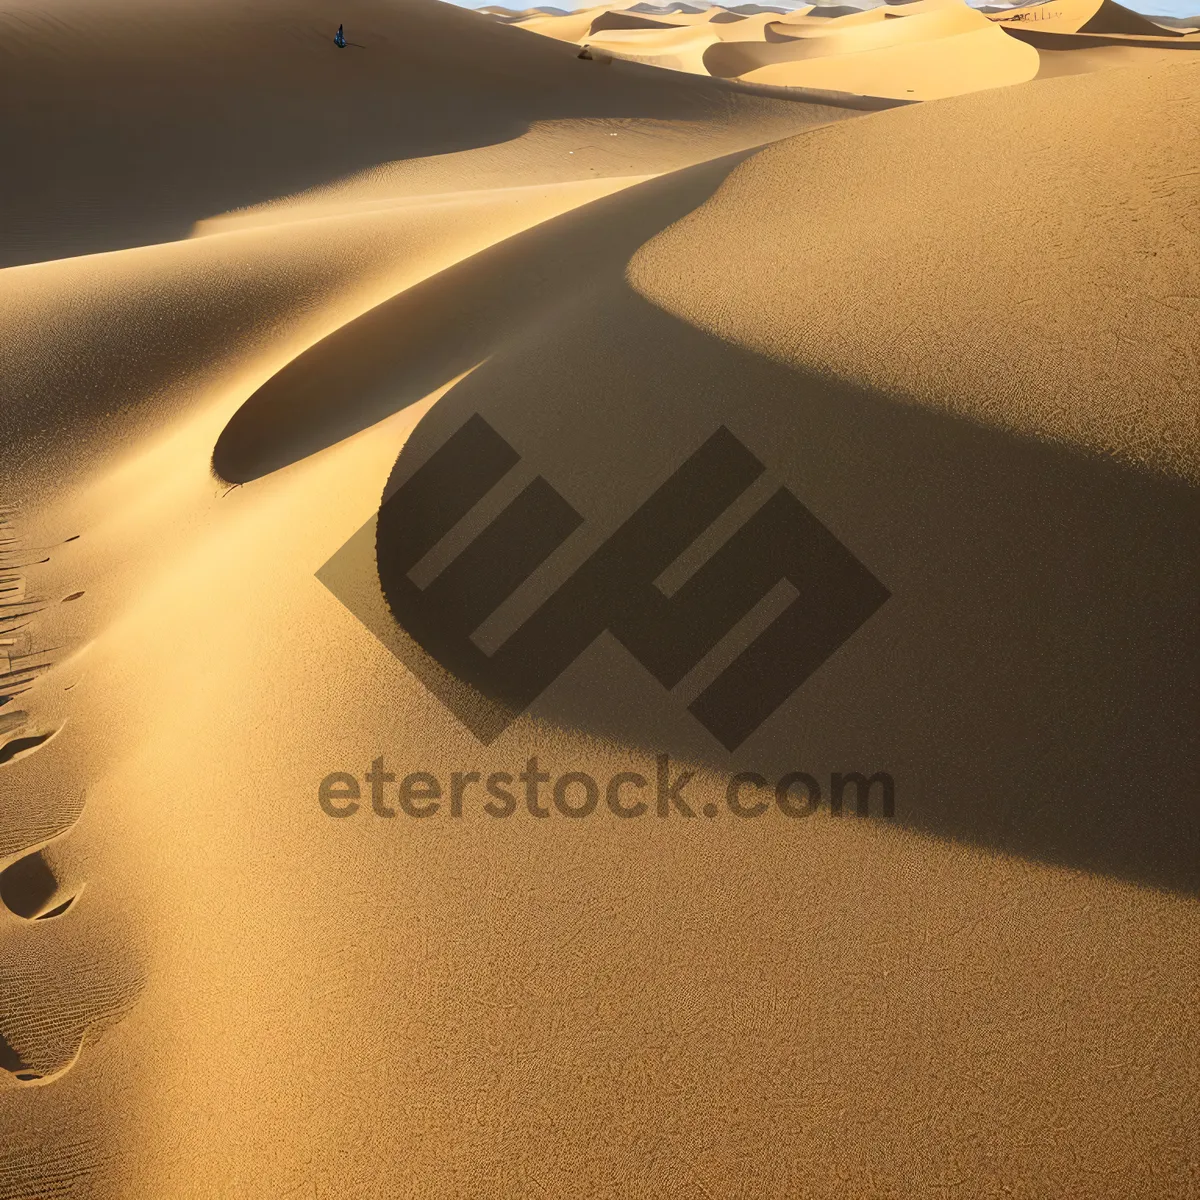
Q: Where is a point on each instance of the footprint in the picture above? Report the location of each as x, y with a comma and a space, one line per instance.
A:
14, 1064
68, 971
30, 889
63, 983
56, 982
18, 747
24, 1073
52, 988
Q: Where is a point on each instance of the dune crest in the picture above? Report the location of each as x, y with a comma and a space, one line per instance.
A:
1118, 382
921, 50
1081, 16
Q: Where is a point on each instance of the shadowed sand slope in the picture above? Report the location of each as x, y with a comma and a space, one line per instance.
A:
959, 334
402, 350
141, 120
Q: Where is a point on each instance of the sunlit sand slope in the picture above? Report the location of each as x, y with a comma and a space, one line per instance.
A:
261, 281
922, 54
924, 50
203, 192
989, 330
918, 51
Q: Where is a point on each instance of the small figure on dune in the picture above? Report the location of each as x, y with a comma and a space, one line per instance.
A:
339, 39
585, 53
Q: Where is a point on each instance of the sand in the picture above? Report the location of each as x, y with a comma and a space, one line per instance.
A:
942, 50
1082, 16
250, 283
920, 50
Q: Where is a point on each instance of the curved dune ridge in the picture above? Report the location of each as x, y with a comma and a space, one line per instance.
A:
920, 50
249, 285
1119, 379
194, 210
142, 163
1081, 16
926, 52
1082, 36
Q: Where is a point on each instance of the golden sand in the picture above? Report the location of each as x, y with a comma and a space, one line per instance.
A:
249, 278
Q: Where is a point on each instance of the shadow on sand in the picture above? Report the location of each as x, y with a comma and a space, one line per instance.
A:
145, 123
1030, 683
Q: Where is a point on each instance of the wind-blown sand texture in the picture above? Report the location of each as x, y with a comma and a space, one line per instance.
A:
250, 282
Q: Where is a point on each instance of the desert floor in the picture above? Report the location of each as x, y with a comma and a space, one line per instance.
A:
250, 283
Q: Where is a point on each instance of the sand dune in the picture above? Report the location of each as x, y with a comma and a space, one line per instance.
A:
1184, 24
959, 63
1062, 54
845, 10
612, 19
923, 50
1082, 16
676, 50
248, 292
1147, 420
154, 328
569, 28
1079, 38
513, 14
108, 167
753, 10
937, 50
821, 21
676, 6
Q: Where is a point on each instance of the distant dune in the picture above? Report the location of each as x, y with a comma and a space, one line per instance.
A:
1185, 24
1081, 16
252, 282
512, 14
1082, 36
918, 50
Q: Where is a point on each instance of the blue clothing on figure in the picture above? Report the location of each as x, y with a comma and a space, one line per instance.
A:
338, 38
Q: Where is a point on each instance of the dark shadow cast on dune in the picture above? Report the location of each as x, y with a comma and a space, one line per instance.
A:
1030, 683
405, 348
28, 885
145, 123
10, 1060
